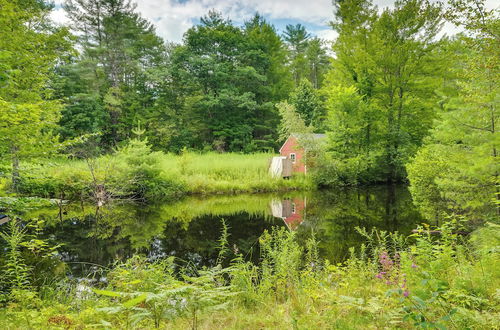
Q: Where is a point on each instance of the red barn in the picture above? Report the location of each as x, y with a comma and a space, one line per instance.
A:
292, 150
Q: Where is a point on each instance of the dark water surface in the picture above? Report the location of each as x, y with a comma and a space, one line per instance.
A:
189, 229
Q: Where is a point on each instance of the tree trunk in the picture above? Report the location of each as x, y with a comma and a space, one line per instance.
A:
390, 140
497, 188
15, 167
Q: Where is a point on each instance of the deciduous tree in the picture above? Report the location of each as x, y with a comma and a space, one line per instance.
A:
29, 48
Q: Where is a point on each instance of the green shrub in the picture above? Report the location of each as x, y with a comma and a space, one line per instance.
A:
331, 171
140, 174
29, 263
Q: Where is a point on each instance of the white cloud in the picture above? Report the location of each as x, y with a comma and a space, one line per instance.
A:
58, 15
173, 17
327, 34
313, 11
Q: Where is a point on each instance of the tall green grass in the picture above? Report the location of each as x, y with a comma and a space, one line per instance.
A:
213, 173
136, 172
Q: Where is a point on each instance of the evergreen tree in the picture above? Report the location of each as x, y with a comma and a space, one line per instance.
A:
317, 61
268, 56
297, 39
119, 68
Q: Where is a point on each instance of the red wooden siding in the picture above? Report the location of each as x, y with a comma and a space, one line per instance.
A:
291, 146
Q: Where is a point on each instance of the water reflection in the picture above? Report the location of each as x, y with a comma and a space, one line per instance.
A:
291, 210
335, 215
189, 229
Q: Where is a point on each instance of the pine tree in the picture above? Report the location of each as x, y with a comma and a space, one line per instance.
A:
120, 67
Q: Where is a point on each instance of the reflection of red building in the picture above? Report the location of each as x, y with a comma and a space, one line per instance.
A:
292, 211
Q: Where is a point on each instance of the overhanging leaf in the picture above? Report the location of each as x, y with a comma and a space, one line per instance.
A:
135, 301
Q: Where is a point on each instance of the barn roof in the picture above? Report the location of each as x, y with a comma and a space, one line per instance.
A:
314, 136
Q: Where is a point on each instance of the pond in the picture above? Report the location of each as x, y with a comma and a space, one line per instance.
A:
190, 228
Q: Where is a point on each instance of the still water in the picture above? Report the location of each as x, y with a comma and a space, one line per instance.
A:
189, 229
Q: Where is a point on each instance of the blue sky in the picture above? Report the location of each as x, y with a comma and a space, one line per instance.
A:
173, 17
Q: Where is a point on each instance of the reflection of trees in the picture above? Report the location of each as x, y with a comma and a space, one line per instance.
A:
88, 239
114, 233
333, 215
198, 242
189, 229
255, 205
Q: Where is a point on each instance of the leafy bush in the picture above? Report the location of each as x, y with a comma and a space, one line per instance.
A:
140, 174
333, 171
29, 262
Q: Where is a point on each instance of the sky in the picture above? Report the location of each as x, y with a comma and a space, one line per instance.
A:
174, 17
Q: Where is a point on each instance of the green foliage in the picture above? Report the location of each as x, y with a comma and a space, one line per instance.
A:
29, 48
228, 77
113, 82
400, 103
353, 154
392, 60
141, 175
423, 281
307, 55
223, 242
15, 273
457, 169
292, 121
297, 37
29, 262
132, 172
308, 105
293, 124
281, 262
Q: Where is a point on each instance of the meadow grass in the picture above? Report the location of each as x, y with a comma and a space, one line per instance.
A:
211, 173
189, 173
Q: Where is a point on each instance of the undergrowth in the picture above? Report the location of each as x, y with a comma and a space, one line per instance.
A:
422, 281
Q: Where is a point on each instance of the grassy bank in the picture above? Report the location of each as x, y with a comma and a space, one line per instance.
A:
137, 173
425, 281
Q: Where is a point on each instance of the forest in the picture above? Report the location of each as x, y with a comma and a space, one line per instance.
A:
102, 111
